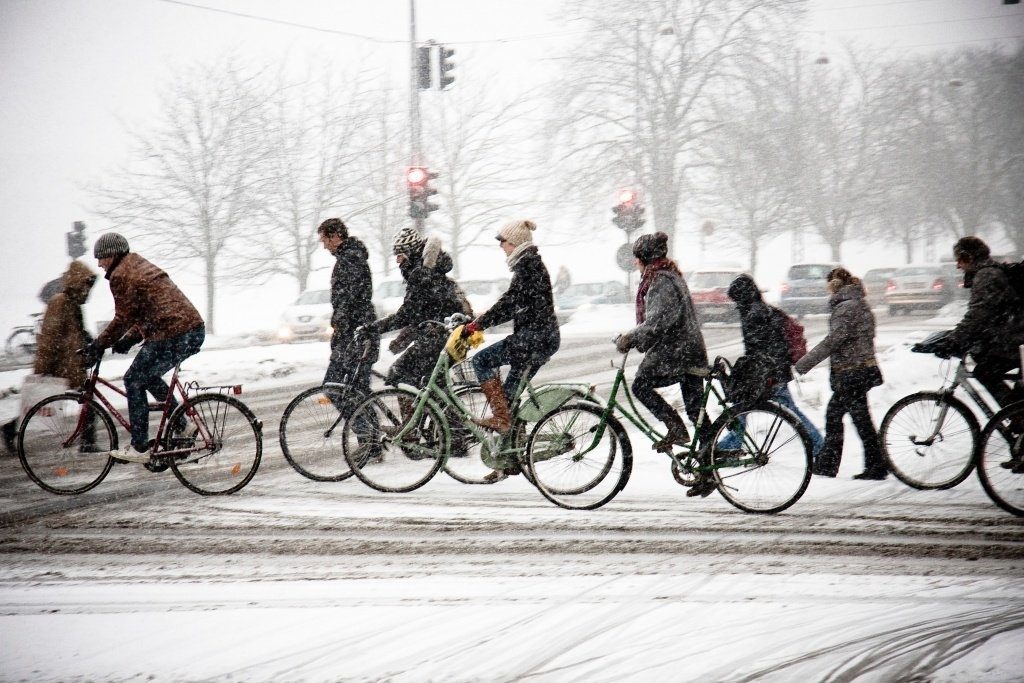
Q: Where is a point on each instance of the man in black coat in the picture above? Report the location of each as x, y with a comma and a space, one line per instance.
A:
992, 329
351, 298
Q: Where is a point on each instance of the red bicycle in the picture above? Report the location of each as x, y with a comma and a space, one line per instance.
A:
214, 447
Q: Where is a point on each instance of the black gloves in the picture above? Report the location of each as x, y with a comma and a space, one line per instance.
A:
90, 353
124, 345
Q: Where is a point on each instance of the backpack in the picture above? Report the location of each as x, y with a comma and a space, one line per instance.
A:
793, 332
1015, 275
748, 381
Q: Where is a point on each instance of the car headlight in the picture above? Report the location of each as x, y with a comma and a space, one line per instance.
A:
284, 332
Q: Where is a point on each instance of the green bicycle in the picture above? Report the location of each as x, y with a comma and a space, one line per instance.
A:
767, 474
398, 438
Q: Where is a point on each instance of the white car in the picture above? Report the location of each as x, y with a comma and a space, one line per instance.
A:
308, 319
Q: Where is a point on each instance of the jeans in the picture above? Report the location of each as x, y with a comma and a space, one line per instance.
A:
154, 359
488, 361
781, 396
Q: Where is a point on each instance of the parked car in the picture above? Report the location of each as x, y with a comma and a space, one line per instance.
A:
708, 289
804, 289
308, 318
923, 287
592, 293
875, 282
388, 296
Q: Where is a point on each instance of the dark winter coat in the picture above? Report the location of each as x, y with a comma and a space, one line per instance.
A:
351, 291
63, 330
670, 335
530, 305
850, 343
761, 324
146, 303
429, 293
988, 326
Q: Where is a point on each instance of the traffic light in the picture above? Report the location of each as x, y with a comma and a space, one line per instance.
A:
76, 240
444, 65
629, 213
423, 67
418, 179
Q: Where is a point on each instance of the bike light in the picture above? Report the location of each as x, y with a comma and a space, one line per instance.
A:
237, 389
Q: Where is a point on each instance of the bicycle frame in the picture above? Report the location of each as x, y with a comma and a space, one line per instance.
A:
438, 389
960, 379
92, 390
633, 416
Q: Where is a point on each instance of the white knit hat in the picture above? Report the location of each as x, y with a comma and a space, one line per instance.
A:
517, 232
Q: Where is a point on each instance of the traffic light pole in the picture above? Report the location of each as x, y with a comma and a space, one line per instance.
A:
415, 135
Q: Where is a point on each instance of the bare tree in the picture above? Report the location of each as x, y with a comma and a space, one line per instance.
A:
634, 104
481, 155
190, 186
313, 141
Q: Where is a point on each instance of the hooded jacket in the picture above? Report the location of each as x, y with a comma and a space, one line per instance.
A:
850, 343
761, 324
63, 330
429, 294
351, 290
989, 326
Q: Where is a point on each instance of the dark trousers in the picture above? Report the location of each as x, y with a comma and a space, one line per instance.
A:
418, 360
350, 367
990, 370
691, 386
850, 395
145, 374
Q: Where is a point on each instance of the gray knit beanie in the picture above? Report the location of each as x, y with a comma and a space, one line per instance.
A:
110, 244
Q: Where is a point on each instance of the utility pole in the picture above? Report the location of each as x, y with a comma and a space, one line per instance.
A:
414, 91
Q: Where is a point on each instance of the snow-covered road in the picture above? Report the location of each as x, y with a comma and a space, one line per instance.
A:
295, 580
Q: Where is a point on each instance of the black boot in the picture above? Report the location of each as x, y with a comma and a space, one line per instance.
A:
826, 465
677, 434
10, 430
874, 465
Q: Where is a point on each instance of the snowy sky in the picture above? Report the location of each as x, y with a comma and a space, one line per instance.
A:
74, 73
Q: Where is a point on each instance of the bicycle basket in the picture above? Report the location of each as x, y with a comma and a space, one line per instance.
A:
464, 373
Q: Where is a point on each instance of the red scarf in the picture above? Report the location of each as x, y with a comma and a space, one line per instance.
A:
650, 270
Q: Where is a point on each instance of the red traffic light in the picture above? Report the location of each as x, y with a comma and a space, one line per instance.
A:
416, 175
627, 196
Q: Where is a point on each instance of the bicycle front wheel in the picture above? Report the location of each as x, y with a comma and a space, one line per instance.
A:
312, 428
225, 444
381, 458
929, 440
772, 466
577, 459
64, 445
1001, 459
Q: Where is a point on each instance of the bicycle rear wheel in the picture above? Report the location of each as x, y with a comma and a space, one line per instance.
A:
21, 344
377, 458
226, 443
311, 431
1001, 459
771, 468
929, 440
54, 463
578, 460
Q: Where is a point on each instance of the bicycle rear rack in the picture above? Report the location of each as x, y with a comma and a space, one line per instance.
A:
192, 388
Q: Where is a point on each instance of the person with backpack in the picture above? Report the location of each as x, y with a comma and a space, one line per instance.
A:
992, 329
668, 333
850, 348
765, 338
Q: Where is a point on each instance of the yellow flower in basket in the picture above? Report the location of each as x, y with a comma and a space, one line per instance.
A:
457, 346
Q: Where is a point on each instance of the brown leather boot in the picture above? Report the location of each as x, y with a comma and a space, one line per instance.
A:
500, 420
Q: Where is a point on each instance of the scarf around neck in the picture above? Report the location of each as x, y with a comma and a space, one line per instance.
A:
517, 253
650, 271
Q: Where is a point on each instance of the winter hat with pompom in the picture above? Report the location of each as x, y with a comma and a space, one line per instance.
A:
517, 233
